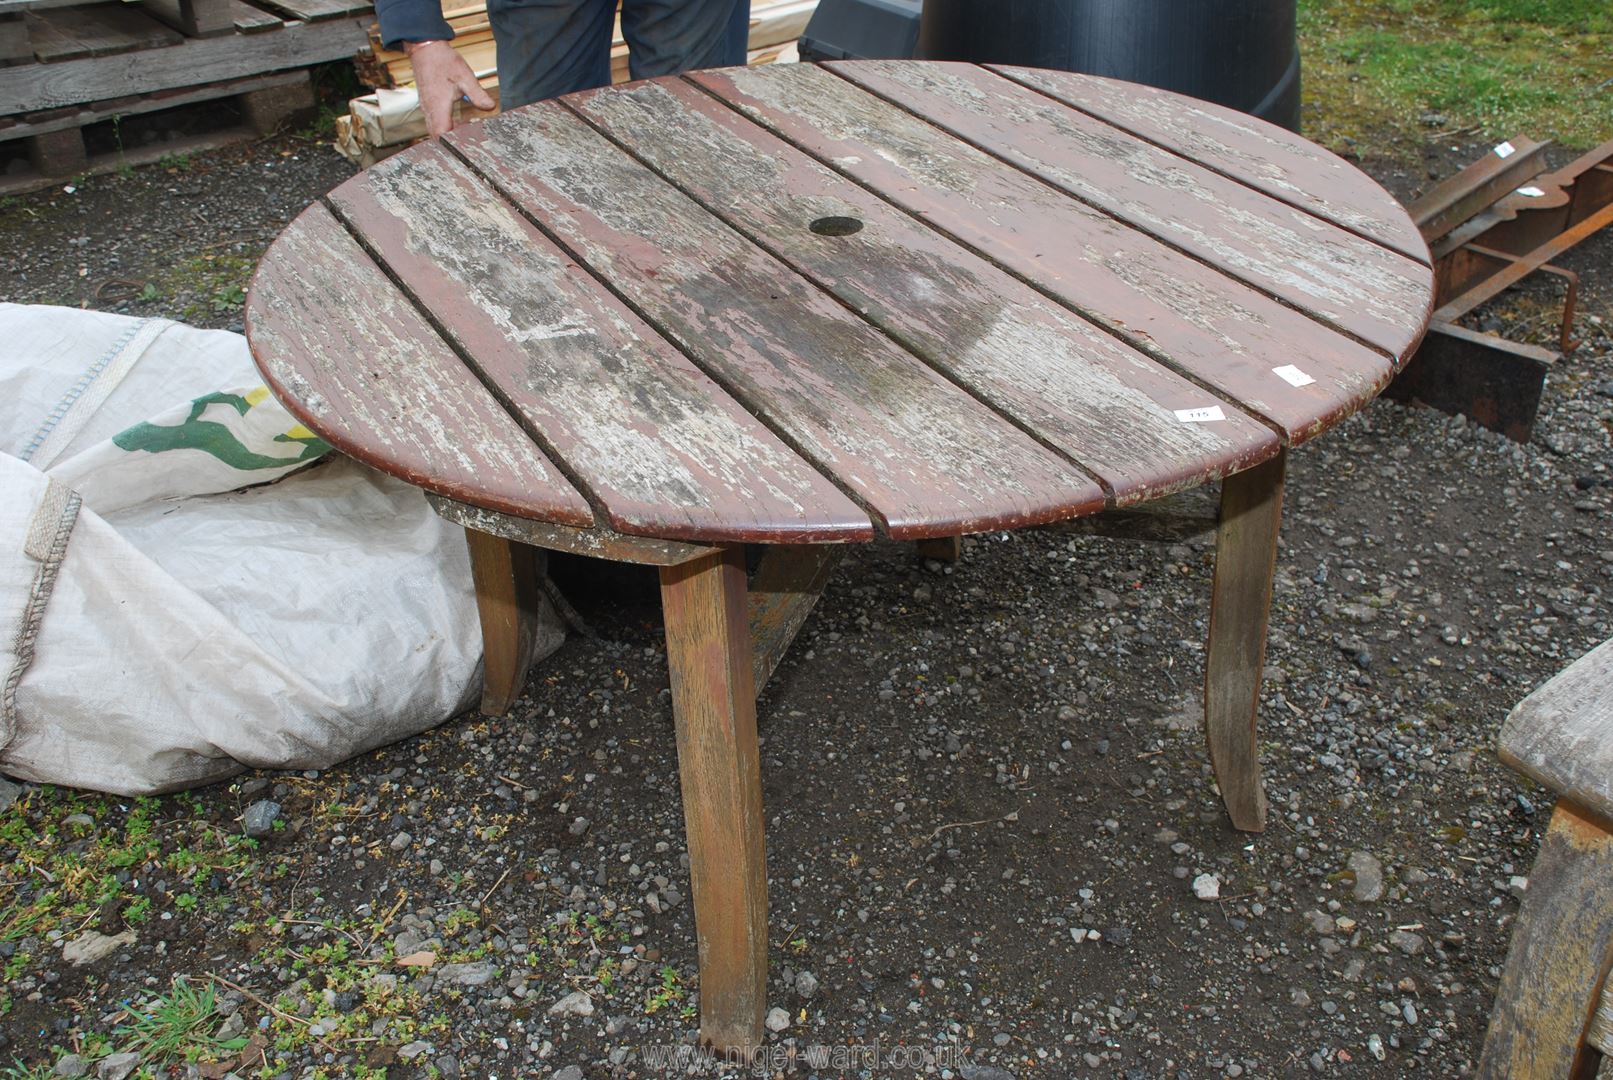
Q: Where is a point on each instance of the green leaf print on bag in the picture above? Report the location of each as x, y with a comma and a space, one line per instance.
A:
220, 439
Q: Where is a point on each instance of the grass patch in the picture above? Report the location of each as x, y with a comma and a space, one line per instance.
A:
177, 1025
214, 284
1408, 69
71, 861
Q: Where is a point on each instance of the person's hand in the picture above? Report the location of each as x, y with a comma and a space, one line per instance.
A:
441, 77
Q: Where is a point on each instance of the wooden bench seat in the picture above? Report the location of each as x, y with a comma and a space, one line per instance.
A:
1553, 1015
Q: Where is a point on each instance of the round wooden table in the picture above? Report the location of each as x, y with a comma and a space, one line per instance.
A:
807, 305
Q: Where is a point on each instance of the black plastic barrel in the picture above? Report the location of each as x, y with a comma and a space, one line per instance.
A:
1238, 53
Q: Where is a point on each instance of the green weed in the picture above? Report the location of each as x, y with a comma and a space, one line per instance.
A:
177, 1025
669, 993
230, 298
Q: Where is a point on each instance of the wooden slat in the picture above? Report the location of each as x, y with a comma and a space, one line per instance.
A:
349, 355
924, 455
251, 20
599, 542
95, 30
660, 445
1250, 150
1367, 290
317, 10
1562, 734
51, 41
1078, 388
105, 110
10, 7
1224, 334
33, 87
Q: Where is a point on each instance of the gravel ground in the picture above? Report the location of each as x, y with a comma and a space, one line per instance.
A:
994, 845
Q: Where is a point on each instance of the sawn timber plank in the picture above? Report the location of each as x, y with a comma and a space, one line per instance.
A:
928, 458
355, 361
35, 87
99, 30
660, 446
1077, 387
1358, 286
1220, 332
317, 10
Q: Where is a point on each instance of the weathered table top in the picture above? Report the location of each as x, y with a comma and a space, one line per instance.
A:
811, 303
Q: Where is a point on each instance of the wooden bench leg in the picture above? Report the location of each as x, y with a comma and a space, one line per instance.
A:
1561, 953
1245, 559
507, 598
714, 706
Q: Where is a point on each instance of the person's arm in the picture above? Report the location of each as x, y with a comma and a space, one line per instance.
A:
441, 75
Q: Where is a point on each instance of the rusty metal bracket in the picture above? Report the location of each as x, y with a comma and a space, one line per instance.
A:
1494, 382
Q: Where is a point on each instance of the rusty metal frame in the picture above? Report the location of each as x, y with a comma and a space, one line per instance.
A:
1486, 236
1514, 268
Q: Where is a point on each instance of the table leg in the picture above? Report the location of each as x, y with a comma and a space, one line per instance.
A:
1245, 559
941, 549
507, 596
714, 707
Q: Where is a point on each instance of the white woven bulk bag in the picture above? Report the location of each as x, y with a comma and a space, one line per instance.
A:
167, 615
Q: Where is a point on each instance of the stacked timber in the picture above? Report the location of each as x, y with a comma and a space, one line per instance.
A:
93, 86
381, 123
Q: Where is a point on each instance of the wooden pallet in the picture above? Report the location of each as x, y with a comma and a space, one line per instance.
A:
55, 55
47, 148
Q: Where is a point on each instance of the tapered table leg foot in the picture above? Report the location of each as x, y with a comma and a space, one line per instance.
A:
1245, 559
714, 706
507, 597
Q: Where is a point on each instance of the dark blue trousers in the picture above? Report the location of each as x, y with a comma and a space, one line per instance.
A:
552, 47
